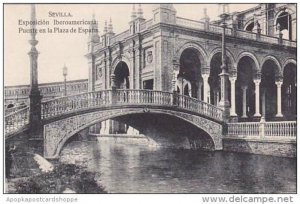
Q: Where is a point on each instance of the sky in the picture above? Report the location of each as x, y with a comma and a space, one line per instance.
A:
57, 49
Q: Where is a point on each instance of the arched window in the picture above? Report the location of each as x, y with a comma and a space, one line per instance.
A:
284, 24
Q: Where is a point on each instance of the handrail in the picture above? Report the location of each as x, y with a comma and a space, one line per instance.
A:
16, 120
98, 99
263, 129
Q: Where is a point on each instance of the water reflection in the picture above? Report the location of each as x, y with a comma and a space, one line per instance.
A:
134, 167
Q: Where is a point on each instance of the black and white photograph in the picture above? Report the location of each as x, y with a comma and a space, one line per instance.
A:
150, 98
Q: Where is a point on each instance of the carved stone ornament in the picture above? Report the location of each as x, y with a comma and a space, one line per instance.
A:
149, 57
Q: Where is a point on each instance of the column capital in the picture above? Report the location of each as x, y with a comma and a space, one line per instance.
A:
232, 79
278, 83
205, 70
244, 87
257, 81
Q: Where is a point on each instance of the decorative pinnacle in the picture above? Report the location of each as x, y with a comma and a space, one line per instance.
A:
33, 25
105, 27
140, 11
110, 26
133, 13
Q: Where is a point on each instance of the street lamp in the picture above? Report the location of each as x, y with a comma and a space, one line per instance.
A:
65, 73
224, 103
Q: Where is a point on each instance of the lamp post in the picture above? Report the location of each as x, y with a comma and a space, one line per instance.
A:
35, 97
224, 103
65, 73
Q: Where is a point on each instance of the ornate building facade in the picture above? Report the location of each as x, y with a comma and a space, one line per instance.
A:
174, 54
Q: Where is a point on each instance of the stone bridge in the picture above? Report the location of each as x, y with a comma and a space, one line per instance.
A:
64, 117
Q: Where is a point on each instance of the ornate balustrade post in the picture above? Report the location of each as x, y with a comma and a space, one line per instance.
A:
262, 125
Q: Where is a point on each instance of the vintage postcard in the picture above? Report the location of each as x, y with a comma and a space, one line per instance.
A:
150, 98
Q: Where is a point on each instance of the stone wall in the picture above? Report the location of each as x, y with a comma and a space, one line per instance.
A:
266, 147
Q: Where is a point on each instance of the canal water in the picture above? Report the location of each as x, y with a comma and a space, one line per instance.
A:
135, 166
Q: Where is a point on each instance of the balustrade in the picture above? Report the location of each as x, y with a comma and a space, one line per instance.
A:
190, 23
244, 34
289, 43
243, 129
146, 25
96, 99
265, 129
269, 39
16, 121
281, 129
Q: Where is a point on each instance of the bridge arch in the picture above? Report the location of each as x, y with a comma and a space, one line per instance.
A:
58, 132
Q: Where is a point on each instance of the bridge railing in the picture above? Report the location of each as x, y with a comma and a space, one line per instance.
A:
16, 121
8, 111
103, 98
201, 107
143, 97
76, 102
287, 129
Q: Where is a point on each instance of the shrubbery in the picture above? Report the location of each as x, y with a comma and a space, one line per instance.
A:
63, 176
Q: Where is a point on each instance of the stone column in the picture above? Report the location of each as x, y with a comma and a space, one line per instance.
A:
174, 80
35, 125
232, 108
263, 105
199, 90
206, 88
244, 89
257, 94
279, 84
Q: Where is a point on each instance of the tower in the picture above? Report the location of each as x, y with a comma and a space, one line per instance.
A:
136, 19
94, 37
164, 13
